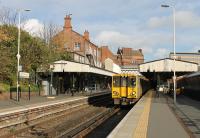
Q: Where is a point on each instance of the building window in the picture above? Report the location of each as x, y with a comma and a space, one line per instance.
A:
77, 46
95, 52
65, 45
90, 50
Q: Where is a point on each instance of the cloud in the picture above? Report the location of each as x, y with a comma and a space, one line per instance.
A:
33, 26
148, 43
161, 53
184, 19
187, 19
157, 22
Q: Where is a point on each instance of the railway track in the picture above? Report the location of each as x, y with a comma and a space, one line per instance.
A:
105, 128
30, 121
86, 127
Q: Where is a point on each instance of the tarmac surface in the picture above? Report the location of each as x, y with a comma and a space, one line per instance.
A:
162, 122
6, 105
12, 104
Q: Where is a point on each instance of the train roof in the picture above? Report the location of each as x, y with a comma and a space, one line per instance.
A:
125, 74
193, 74
130, 73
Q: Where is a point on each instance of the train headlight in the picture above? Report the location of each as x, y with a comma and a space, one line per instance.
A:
115, 93
132, 93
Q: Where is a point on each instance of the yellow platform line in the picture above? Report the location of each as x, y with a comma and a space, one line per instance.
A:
141, 129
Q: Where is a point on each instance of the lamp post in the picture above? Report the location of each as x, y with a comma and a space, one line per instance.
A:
174, 27
18, 47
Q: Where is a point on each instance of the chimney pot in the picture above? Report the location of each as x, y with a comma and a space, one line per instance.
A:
86, 35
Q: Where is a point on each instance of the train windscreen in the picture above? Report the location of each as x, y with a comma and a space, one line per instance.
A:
131, 81
116, 81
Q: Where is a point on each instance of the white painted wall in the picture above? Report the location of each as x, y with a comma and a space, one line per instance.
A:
116, 68
111, 66
67, 66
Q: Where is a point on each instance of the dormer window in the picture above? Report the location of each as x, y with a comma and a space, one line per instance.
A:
77, 46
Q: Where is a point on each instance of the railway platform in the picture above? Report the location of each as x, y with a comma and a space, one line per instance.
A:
7, 106
158, 117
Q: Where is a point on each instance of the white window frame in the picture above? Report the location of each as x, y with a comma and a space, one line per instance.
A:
77, 46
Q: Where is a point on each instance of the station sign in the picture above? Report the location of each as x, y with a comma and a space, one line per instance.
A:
24, 75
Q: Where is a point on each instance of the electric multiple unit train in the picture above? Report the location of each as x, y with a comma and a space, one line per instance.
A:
128, 88
190, 85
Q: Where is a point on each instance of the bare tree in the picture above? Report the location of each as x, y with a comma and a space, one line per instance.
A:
8, 16
48, 31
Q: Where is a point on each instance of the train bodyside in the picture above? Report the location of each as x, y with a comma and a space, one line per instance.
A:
128, 88
190, 85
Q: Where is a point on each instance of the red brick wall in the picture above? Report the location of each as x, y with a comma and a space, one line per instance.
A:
128, 58
127, 51
66, 39
106, 53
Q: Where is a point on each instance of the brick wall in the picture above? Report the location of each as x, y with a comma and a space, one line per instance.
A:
105, 53
72, 41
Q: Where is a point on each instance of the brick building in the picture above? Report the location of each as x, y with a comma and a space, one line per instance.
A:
128, 56
105, 53
83, 49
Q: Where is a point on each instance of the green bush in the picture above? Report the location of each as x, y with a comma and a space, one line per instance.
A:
24, 87
4, 87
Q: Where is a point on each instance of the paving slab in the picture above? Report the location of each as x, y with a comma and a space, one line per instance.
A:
188, 111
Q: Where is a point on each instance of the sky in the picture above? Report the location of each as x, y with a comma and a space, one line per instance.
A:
121, 23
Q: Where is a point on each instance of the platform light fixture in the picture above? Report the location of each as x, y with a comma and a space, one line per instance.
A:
18, 46
174, 31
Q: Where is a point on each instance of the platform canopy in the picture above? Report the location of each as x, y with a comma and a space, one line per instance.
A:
69, 66
167, 65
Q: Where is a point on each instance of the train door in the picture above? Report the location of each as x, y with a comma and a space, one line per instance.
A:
124, 86
131, 87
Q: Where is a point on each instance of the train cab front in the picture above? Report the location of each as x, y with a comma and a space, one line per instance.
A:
116, 89
124, 89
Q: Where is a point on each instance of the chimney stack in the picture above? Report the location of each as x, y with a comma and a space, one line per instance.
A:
68, 22
140, 50
86, 35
